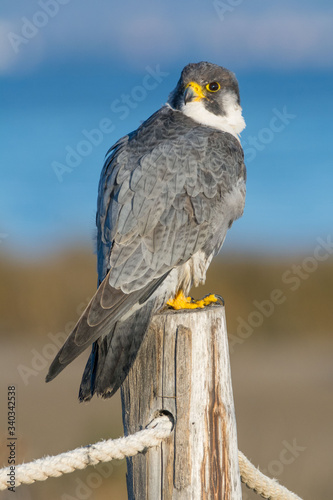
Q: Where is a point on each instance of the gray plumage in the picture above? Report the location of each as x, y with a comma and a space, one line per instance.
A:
168, 192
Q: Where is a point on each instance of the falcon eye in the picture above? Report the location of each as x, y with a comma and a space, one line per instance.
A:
213, 86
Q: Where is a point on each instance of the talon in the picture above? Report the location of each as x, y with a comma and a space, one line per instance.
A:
220, 298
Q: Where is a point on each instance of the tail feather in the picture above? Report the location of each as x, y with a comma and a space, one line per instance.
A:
112, 357
88, 378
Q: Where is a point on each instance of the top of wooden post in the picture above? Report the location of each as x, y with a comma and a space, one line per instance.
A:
183, 368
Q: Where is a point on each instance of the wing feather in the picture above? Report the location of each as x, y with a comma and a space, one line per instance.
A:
167, 203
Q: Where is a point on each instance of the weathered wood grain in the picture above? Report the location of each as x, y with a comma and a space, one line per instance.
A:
183, 368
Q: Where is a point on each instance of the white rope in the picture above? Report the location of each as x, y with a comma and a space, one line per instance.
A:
104, 451
261, 484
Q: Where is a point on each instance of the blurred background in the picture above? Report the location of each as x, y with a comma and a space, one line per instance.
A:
76, 76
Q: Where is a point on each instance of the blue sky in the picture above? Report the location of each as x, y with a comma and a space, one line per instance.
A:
66, 67
285, 34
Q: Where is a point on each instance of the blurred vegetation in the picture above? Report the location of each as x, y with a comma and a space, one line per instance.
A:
37, 297
282, 376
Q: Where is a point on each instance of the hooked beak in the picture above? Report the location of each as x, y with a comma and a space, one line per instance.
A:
193, 92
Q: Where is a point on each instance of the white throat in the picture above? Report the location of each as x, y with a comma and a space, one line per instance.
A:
232, 122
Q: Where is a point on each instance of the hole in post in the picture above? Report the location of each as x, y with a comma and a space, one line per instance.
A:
161, 413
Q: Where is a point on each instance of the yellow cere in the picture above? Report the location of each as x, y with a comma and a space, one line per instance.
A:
197, 89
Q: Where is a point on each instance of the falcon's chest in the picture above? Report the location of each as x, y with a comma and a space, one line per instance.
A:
229, 209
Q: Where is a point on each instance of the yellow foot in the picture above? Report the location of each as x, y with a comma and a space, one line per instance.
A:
182, 302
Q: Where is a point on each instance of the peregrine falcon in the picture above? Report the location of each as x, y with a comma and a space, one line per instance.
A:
168, 193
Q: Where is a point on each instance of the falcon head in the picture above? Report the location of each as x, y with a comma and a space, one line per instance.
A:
209, 94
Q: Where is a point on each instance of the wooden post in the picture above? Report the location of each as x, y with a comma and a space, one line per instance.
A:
183, 368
